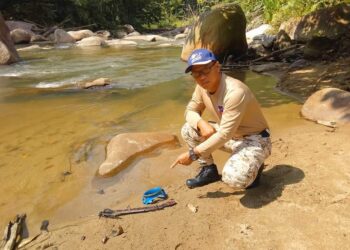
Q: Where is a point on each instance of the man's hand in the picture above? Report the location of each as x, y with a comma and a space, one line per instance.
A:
183, 159
205, 129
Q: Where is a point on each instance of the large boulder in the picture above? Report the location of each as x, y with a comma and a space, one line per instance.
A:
329, 22
12, 25
80, 34
8, 53
21, 36
91, 41
221, 30
124, 148
62, 36
328, 105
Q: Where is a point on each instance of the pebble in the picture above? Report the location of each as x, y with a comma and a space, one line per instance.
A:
192, 208
117, 232
105, 239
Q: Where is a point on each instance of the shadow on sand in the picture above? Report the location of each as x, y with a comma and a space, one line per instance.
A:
272, 184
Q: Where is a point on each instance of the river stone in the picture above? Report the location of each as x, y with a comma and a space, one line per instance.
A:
8, 53
147, 38
123, 148
120, 43
80, 34
92, 41
100, 82
62, 36
282, 40
129, 28
180, 36
267, 67
38, 38
328, 105
104, 34
221, 30
21, 36
261, 30
20, 25
134, 33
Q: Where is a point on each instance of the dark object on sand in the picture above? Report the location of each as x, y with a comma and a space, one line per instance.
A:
109, 213
13, 233
44, 225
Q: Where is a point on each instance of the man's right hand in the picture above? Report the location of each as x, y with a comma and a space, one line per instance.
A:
206, 130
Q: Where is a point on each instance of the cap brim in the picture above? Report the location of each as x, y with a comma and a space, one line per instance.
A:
189, 68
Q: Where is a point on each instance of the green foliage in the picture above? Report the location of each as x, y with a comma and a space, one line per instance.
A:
108, 14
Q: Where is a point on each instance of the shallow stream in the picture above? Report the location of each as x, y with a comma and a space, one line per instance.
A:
53, 134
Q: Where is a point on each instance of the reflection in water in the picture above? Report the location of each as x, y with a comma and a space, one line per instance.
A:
46, 131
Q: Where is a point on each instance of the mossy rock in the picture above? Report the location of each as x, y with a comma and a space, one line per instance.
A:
221, 30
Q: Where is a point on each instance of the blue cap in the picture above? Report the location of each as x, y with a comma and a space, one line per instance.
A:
199, 57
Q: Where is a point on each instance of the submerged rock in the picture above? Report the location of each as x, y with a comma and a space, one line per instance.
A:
123, 148
328, 104
100, 82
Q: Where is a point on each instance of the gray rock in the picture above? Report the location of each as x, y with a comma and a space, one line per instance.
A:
128, 28
61, 36
328, 105
123, 148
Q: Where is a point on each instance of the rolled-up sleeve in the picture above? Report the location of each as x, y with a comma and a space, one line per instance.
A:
194, 108
234, 107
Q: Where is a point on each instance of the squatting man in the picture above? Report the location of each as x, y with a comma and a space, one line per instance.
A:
239, 128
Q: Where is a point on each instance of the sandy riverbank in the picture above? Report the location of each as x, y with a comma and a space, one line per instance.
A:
302, 203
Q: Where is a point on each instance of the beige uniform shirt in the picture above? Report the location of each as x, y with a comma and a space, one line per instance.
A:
235, 108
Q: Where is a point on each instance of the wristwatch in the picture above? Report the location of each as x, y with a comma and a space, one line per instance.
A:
193, 155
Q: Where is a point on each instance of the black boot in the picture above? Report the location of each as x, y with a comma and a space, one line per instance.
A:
208, 174
256, 182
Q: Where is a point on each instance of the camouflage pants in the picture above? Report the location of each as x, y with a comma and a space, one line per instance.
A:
247, 155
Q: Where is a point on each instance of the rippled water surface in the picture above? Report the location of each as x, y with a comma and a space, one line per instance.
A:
50, 128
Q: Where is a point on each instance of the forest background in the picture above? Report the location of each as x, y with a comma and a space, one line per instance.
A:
147, 14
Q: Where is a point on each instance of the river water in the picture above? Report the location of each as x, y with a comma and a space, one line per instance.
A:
50, 128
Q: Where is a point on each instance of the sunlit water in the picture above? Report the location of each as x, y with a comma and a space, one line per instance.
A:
50, 126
